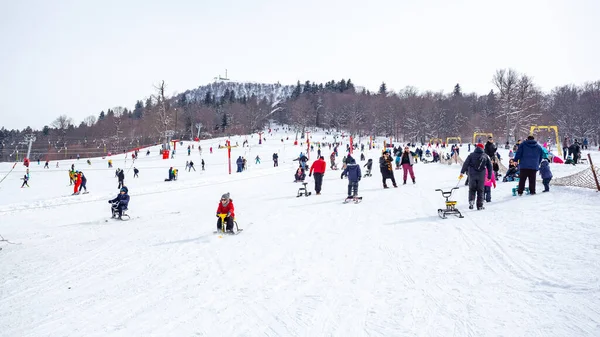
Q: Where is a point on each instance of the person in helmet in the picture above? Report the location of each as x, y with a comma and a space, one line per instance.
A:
226, 207
119, 204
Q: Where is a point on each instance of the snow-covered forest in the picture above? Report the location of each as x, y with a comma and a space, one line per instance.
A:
410, 114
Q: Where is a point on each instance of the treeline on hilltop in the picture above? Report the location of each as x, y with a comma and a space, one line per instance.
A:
226, 108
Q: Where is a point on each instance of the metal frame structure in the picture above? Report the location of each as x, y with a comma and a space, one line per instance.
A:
554, 128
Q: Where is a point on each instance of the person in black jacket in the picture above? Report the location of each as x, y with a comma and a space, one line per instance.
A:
385, 166
490, 148
475, 164
121, 177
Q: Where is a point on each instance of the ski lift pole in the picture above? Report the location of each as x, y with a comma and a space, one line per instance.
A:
9, 172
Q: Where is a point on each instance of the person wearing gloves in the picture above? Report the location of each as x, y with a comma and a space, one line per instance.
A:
476, 164
120, 203
226, 207
352, 170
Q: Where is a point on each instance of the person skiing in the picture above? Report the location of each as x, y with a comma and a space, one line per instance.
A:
120, 203
476, 165
191, 166
121, 177
318, 167
226, 207
83, 181
352, 170
135, 172
202, 162
25, 180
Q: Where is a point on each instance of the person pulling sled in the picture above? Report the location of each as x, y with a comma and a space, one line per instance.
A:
120, 203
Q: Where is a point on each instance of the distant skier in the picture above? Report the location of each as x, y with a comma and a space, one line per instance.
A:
275, 160
191, 166
202, 162
121, 177
46, 166
135, 172
25, 180
120, 203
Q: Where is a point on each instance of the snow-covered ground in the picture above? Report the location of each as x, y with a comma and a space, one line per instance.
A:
309, 266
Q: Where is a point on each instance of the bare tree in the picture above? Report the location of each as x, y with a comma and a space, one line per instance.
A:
89, 121
163, 115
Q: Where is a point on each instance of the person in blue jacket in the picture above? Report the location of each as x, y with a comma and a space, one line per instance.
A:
352, 171
119, 204
529, 156
546, 175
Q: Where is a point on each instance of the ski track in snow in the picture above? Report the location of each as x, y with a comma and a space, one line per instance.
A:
308, 266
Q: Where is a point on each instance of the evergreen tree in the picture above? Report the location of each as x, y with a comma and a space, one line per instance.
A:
457, 91
350, 85
46, 130
138, 110
343, 85
224, 122
208, 98
383, 89
101, 117
232, 96
297, 91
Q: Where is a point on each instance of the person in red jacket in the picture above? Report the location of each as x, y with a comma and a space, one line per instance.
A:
226, 207
319, 167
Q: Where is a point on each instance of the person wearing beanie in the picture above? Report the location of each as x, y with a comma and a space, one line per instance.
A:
352, 170
490, 148
476, 164
529, 157
226, 207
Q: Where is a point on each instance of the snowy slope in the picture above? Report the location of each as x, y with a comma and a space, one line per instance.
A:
388, 266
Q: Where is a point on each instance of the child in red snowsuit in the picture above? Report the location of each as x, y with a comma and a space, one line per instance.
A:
226, 207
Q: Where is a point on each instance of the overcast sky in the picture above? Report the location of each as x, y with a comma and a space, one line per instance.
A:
80, 57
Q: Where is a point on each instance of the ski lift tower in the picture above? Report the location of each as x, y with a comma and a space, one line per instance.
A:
168, 135
29, 139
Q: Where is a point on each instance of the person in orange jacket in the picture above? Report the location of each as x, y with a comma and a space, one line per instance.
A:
318, 167
226, 207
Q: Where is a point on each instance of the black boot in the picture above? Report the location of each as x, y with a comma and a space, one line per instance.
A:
404, 183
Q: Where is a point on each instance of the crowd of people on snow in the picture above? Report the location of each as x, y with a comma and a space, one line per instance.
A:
481, 166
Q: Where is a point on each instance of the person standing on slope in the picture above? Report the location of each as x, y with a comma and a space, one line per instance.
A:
490, 148
319, 168
385, 166
529, 156
407, 162
352, 170
476, 164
